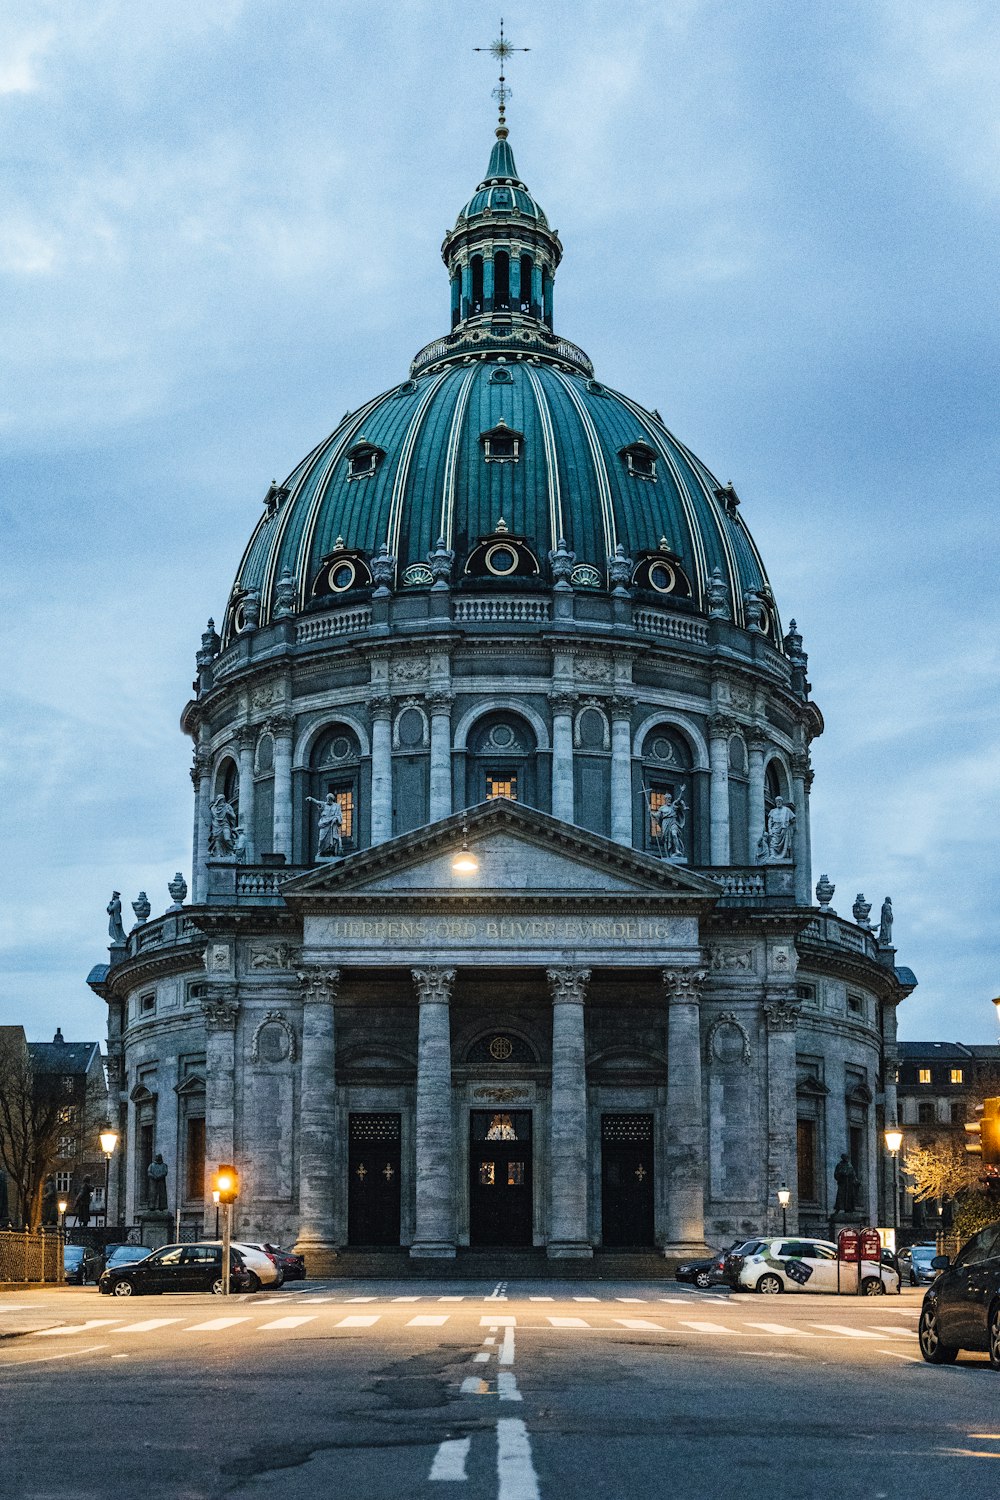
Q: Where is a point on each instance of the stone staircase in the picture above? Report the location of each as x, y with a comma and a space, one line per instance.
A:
381, 1264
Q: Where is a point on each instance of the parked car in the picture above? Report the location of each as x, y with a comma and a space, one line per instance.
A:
807, 1265
178, 1268
962, 1309
700, 1272
733, 1260
75, 1265
125, 1255
258, 1263
292, 1266
915, 1264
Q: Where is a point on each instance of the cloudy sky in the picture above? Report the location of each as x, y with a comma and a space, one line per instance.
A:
221, 231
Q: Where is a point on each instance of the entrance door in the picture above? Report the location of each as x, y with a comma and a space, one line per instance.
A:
627, 1179
373, 1180
500, 1177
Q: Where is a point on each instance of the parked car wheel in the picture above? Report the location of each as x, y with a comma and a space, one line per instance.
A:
253, 1281
703, 1279
994, 1347
873, 1286
218, 1287
931, 1347
123, 1289
770, 1285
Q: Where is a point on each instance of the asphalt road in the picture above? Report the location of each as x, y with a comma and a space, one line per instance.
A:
545, 1391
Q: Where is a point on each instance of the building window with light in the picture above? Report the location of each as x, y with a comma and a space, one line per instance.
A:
502, 761
956, 1075
924, 1075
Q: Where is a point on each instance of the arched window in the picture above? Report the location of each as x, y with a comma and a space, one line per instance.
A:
227, 784
525, 300
502, 760
547, 296
476, 266
592, 770
501, 281
739, 802
335, 767
669, 819
263, 798
775, 784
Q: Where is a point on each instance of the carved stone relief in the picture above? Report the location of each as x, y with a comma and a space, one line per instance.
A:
273, 1040
733, 960
728, 1042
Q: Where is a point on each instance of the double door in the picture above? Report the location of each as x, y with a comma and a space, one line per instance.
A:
373, 1179
627, 1180
500, 1191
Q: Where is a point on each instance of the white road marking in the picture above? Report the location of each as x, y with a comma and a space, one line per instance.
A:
472, 1385
288, 1322
516, 1475
894, 1333
358, 1320
428, 1320
678, 1301
147, 1326
406, 1299
449, 1460
779, 1329
451, 1299
541, 1299
586, 1299
507, 1387
44, 1359
480, 1359
716, 1328
67, 1328
361, 1299
489, 1341
506, 1355
569, 1322
494, 1321
216, 1324
631, 1299
846, 1331
910, 1358
639, 1323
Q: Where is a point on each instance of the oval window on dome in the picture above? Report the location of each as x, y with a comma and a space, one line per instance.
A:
662, 577
501, 560
342, 576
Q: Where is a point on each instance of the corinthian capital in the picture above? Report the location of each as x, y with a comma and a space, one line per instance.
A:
682, 985
319, 985
220, 1013
568, 986
783, 1016
433, 984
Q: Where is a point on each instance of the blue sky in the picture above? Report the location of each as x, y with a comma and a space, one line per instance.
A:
221, 231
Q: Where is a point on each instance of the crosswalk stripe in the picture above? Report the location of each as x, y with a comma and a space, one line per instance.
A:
541, 1299
428, 1320
406, 1299
846, 1331
498, 1320
639, 1323
451, 1299
586, 1299
569, 1322
450, 1459
781, 1328
288, 1322
631, 1299
215, 1325
361, 1299
358, 1320
716, 1328
147, 1326
894, 1333
48, 1333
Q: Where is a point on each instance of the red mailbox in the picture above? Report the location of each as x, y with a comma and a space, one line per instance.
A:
849, 1245
871, 1245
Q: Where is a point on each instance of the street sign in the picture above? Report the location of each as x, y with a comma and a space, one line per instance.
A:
871, 1245
849, 1245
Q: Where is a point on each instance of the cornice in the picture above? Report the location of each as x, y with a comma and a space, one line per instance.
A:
159, 962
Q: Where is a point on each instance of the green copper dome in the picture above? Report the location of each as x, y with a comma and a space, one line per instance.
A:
501, 431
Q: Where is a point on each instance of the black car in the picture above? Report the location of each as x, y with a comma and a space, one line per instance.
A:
732, 1263
700, 1272
962, 1309
177, 1268
75, 1265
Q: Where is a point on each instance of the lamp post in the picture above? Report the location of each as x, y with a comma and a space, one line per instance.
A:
62, 1206
226, 1189
108, 1137
215, 1200
893, 1141
784, 1198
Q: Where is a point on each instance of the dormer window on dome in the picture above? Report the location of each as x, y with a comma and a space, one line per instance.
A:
363, 460
502, 555
502, 445
661, 572
640, 460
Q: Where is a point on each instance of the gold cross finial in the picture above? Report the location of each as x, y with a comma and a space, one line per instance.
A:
501, 49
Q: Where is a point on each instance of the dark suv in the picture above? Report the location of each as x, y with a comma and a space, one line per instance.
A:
177, 1268
962, 1309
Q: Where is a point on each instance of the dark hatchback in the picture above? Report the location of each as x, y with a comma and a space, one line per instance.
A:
962, 1309
293, 1266
176, 1268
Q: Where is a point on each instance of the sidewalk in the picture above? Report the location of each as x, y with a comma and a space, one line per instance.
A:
29, 1309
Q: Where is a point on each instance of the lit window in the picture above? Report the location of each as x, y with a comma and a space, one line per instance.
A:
345, 797
505, 786
956, 1075
924, 1075
63, 1180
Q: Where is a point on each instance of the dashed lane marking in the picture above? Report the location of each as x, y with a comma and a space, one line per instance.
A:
507, 1387
474, 1385
44, 1359
480, 1359
516, 1477
640, 1323
506, 1355
358, 1320
569, 1322
450, 1459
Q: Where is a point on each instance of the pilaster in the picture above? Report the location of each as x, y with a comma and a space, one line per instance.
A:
568, 1167
685, 1164
318, 1155
435, 1203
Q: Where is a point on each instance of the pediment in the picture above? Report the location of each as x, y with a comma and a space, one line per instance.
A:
519, 851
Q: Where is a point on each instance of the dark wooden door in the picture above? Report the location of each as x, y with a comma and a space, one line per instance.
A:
500, 1197
373, 1180
627, 1179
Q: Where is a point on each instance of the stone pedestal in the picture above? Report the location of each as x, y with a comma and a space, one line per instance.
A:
685, 1165
317, 1119
156, 1226
568, 1129
435, 1206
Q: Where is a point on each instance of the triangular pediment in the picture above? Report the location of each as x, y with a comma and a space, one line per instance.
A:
518, 850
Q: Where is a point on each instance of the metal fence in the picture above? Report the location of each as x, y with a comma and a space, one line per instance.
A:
31, 1257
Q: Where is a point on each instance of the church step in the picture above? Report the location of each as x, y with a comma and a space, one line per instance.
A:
496, 1265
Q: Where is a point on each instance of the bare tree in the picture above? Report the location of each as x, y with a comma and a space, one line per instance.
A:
30, 1125
942, 1169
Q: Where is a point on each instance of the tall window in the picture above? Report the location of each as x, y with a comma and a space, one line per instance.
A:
526, 265
194, 1157
956, 1075
476, 266
923, 1075
501, 281
336, 769
666, 783
805, 1132
502, 762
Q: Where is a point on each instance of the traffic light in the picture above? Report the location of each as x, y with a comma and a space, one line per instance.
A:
984, 1140
227, 1183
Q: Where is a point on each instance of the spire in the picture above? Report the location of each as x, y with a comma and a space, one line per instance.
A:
501, 49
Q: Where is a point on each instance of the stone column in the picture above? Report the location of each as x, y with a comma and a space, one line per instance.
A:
781, 1015
568, 1235
562, 754
621, 769
685, 1165
220, 1013
381, 717
200, 770
758, 744
719, 730
247, 743
318, 1159
439, 706
281, 730
801, 777
435, 1216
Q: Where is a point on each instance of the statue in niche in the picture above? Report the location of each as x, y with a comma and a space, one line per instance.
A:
885, 924
668, 825
846, 1179
331, 823
240, 846
222, 832
116, 931
775, 846
156, 1183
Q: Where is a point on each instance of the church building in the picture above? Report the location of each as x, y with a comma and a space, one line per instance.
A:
501, 928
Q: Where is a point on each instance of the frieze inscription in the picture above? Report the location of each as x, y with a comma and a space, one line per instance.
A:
506, 930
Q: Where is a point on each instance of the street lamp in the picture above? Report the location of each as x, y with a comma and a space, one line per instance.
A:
62, 1206
465, 862
215, 1200
108, 1137
893, 1141
784, 1198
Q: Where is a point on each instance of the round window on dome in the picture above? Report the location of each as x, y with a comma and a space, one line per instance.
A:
501, 560
662, 578
342, 576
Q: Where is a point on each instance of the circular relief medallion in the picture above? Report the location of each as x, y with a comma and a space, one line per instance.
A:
501, 1048
502, 736
663, 750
